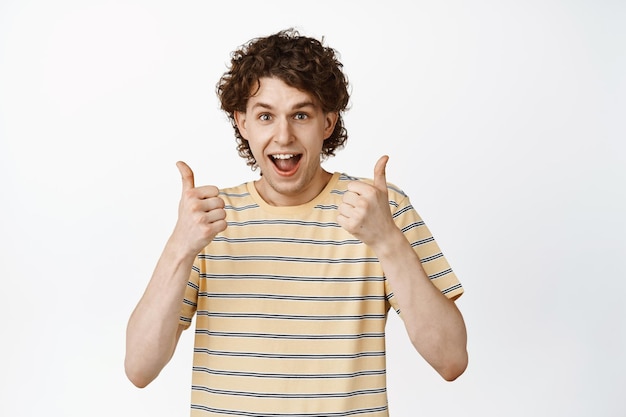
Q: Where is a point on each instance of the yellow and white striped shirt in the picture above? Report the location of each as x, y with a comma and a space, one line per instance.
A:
291, 309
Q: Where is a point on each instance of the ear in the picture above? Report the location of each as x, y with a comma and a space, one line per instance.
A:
240, 120
329, 123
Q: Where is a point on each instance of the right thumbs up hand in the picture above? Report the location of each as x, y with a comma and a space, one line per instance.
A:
201, 214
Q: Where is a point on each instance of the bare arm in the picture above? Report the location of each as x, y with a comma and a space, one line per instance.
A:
153, 329
434, 323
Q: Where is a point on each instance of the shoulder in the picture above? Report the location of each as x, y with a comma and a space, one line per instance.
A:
236, 195
235, 190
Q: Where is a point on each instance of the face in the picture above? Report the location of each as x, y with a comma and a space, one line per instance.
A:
286, 129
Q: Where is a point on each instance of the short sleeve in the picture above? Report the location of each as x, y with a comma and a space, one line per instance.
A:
422, 241
190, 299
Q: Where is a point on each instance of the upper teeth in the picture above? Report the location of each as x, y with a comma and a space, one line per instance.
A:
283, 156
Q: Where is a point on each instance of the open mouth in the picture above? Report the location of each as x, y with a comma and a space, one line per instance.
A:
286, 163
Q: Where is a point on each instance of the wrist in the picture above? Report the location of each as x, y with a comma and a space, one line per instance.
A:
391, 244
178, 251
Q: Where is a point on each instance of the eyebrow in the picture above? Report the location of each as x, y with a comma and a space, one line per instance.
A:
297, 106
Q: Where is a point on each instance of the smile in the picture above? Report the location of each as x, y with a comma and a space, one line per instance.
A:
286, 163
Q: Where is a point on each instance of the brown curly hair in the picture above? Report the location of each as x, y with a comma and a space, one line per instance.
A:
299, 61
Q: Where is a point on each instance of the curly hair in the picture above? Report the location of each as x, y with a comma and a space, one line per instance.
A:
299, 61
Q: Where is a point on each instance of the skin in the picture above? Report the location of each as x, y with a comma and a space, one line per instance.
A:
282, 120
433, 322
153, 329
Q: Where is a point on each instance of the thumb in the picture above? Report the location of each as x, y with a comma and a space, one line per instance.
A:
380, 178
187, 175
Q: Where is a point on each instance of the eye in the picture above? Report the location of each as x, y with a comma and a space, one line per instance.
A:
264, 117
301, 116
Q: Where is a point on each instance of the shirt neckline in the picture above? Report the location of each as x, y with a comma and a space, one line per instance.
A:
293, 210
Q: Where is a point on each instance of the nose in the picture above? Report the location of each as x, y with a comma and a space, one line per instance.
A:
283, 134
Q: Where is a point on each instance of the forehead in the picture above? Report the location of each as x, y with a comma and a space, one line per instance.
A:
275, 93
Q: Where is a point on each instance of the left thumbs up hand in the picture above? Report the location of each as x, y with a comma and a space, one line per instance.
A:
364, 211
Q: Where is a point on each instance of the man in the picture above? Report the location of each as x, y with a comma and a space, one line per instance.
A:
291, 276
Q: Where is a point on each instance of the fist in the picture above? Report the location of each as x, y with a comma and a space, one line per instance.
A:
364, 211
201, 214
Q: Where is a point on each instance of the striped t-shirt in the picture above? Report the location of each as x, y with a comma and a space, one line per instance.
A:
291, 309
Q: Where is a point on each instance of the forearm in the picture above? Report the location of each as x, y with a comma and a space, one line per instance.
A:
153, 328
434, 324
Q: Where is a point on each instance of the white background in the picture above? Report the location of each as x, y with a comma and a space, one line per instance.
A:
504, 121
